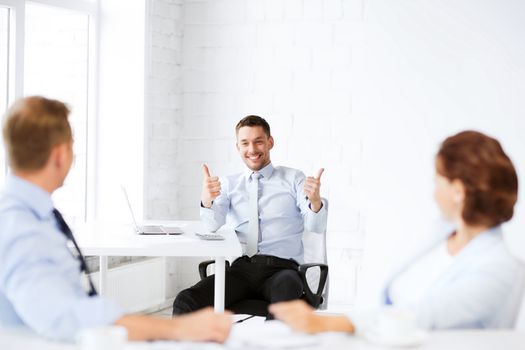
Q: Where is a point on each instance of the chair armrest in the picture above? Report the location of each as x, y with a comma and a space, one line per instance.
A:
314, 299
203, 266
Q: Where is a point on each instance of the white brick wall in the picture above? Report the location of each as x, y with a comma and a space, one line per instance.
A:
364, 88
163, 117
163, 106
284, 60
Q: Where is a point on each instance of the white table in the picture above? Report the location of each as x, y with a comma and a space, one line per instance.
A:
275, 335
105, 240
449, 340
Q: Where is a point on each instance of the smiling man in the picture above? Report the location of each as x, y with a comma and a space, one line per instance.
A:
269, 207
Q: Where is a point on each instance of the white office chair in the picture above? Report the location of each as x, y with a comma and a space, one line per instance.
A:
315, 253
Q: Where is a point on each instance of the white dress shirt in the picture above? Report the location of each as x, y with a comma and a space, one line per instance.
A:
40, 280
284, 211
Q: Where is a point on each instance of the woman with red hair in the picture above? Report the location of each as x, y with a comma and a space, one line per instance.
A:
466, 278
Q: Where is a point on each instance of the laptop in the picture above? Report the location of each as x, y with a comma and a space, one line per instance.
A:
151, 229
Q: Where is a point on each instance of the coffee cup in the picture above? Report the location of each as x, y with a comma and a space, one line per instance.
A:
396, 323
103, 338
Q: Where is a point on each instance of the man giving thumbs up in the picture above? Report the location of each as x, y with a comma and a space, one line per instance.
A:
269, 207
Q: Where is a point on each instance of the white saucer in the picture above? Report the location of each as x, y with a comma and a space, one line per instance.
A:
415, 338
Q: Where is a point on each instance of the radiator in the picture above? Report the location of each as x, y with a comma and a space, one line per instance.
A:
137, 287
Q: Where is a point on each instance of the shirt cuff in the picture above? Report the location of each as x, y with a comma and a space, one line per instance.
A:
206, 213
86, 312
102, 312
316, 222
207, 216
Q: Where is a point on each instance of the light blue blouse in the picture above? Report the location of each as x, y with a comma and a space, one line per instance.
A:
482, 288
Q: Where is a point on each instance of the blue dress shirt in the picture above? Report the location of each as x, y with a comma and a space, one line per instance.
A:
40, 280
284, 211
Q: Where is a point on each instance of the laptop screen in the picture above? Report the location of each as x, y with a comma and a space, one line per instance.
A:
130, 209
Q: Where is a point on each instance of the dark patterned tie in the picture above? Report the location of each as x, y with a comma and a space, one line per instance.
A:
64, 228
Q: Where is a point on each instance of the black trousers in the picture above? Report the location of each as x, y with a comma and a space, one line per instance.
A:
260, 277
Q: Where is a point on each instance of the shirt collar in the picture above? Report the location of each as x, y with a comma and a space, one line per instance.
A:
266, 172
30, 194
491, 231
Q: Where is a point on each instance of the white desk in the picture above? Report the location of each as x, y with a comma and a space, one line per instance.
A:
449, 340
105, 240
275, 335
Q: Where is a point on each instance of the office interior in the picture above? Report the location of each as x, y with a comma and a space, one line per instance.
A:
366, 89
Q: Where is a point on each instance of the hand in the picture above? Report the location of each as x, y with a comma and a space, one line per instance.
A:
300, 316
312, 190
211, 187
203, 325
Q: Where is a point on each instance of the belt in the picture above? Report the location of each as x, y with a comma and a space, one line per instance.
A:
262, 259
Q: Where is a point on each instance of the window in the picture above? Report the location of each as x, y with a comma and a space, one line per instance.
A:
56, 66
53, 42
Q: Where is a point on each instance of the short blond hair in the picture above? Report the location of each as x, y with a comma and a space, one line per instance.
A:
32, 127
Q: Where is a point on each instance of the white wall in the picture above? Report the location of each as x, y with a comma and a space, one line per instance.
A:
433, 69
120, 124
163, 105
365, 88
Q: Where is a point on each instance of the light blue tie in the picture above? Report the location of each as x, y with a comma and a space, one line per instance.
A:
253, 227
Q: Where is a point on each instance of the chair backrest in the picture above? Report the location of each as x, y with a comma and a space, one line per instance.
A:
315, 252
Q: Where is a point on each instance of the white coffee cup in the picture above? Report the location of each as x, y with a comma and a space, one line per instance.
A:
396, 323
103, 338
